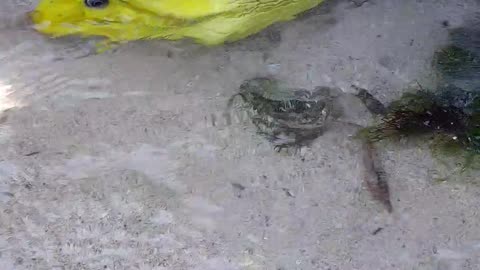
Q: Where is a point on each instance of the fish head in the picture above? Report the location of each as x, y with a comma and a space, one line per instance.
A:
118, 20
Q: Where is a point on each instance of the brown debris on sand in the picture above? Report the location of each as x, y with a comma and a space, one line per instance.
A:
374, 177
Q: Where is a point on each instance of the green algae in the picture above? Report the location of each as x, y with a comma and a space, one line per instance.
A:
449, 114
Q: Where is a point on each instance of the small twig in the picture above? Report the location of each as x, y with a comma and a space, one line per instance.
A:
419, 85
288, 192
32, 153
379, 229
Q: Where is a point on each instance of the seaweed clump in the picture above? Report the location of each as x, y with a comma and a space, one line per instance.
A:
455, 62
451, 113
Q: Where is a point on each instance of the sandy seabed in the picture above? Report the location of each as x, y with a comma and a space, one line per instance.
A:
124, 161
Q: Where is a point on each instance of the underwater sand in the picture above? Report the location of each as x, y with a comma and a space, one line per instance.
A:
125, 160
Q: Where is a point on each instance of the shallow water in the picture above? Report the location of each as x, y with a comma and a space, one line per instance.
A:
127, 160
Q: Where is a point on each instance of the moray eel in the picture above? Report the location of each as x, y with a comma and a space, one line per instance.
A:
208, 22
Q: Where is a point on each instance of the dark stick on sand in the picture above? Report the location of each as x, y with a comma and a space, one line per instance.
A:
374, 178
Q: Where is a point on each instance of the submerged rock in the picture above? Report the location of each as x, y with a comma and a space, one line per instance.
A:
288, 116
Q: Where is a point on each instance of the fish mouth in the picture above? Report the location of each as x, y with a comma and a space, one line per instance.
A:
40, 23
34, 18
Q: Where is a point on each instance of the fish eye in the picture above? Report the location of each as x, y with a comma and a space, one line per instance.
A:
96, 3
